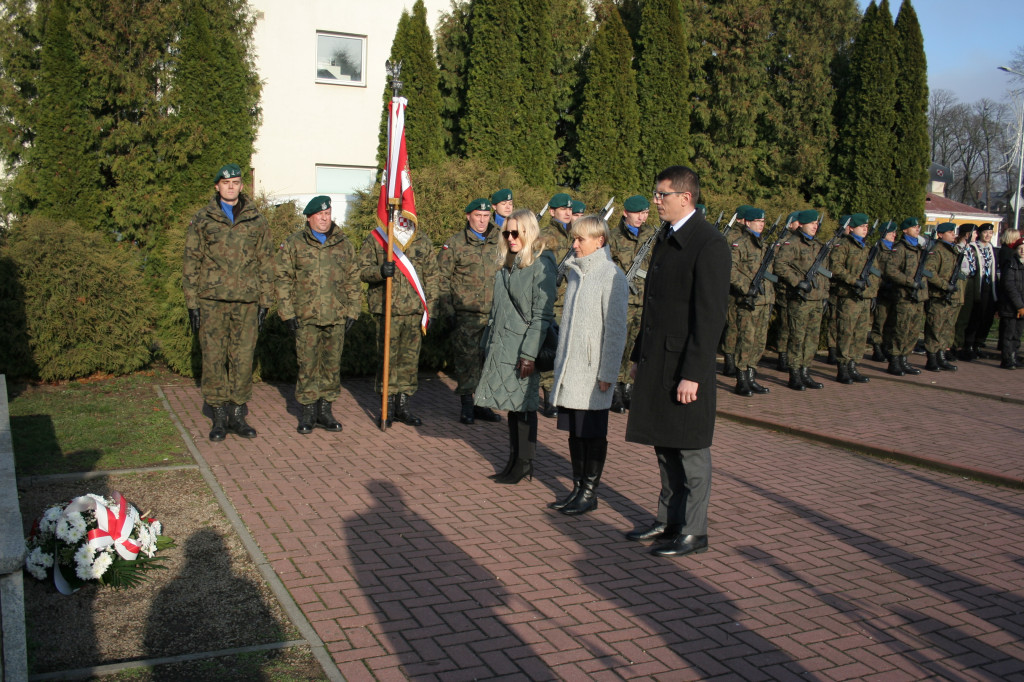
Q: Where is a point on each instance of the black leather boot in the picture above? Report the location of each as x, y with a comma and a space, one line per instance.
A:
831, 359
402, 412
526, 425
466, 414
391, 413
754, 386
728, 365
857, 377
877, 354
576, 457
805, 376
595, 450
220, 424
907, 369
944, 363
306, 419
932, 364
486, 414
547, 409
617, 406
843, 373
895, 366
236, 421
743, 384
796, 382
783, 364
324, 418
513, 446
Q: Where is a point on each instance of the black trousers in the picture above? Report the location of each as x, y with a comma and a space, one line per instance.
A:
1010, 329
982, 316
685, 488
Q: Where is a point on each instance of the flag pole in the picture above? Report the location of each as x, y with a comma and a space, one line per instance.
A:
394, 70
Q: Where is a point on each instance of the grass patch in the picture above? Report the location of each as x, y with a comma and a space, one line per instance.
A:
295, 664
98, 423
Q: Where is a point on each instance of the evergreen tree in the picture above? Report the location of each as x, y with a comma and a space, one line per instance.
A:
572, 30
867, 142
453, 63
663, 84
912, 144
535, 151
20, 36
424, 136
609, 139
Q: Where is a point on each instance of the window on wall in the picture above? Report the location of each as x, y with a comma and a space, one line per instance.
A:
340, 59
342, 183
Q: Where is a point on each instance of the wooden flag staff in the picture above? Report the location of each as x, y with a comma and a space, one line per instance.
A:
394, 70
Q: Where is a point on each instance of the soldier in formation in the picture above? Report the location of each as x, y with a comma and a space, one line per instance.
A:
753, 308
853, 289
727, 346
904, 272
944, 298
557, 240
883, 318
502, 204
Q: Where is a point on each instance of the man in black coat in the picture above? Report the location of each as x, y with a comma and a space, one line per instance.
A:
673, 409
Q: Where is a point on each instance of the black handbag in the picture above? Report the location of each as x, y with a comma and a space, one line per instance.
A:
545, 360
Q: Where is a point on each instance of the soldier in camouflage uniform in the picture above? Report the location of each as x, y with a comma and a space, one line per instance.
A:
782, 317
501, 202
318, 294
556, 239
466, 267
883, 318
899, 271
831, 313
406, 312
727, 346
853, 298
228, 281
748, 251
626, 240
944, 299
805, 299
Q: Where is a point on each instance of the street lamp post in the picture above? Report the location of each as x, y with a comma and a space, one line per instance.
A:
1020, 158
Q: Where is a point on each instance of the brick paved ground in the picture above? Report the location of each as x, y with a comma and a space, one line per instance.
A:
824, 564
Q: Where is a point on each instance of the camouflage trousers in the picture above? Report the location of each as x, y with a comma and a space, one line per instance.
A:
318, 350
782, 327
752, 332
404, 360
731, 331
467, 355
227, 335
883, 323
853, 322
909, 321
964, 316
939, 324
633, 316
831, 315
804, 331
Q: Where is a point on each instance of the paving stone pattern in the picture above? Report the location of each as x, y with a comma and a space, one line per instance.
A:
824, 564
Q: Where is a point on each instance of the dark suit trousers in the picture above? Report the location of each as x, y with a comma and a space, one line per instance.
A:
685, 488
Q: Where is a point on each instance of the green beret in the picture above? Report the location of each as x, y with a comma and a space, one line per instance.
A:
887, 227
501, 195
478, 205
753, 213
228, 170
858, 219
636, 204
792, 216
702, 208
560, 200
909, 222
945, 227
741, 209
317, 204
578, 206
808, 216
984, 227
843, 218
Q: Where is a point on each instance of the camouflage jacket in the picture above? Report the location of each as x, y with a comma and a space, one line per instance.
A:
901, 267
624, 247
747, 254
404, 299
940, 262
847, 262
558, 242
883, 288
466, 266
227, 261
316, 282
795, 257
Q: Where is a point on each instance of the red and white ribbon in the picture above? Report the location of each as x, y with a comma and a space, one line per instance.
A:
403, 263
114, 526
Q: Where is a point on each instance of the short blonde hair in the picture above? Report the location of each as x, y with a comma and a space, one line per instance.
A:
1009, 236
590, 226
525, 222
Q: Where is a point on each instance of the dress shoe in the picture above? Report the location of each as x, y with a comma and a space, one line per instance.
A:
682, 545
658, 531
486, 414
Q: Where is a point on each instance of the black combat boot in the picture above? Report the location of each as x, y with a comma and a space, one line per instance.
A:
526, 438
236, 421
907, 369
945, 363
547, 409
754, 386
728, 365
743, 384
843, 373
627, 395
402, 412
805, 376
391, 413
306, 419
324, 418
783, 365
796, 382
932, 364
895, 366
877, 354
617, 405
466, 415
220, 420
831, 359
857, 377
595, 450
576, 457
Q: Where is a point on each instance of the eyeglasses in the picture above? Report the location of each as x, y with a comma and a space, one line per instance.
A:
659, 196
510, 233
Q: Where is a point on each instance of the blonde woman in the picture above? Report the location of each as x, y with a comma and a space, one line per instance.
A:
523, 308
591, 339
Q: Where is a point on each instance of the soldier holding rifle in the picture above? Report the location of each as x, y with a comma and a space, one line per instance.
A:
905, 270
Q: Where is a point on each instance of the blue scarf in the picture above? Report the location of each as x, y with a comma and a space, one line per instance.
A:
860, 240
320, 237
481, 237
887, 244
635, 231
499, 220
910, 240
229, 210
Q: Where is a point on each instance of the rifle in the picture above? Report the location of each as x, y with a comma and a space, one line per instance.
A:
540, 215
921, 273
609, 210
635, 270
817, 266
719, 221
869, 265
957, 273
606, 211
757, 283
733, 220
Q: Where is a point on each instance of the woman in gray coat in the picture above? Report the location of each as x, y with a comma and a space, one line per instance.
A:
590, 344
523, 308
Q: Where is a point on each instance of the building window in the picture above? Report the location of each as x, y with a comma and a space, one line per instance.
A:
340, 59
342, 183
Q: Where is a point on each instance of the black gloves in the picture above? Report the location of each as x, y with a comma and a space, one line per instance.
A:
193, 319
860, 285
387, 270
261, 316
804, 286
524, 368
292, 324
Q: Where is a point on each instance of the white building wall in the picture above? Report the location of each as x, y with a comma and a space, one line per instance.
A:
307, 122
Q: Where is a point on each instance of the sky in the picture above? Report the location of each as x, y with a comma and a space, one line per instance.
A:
965, 41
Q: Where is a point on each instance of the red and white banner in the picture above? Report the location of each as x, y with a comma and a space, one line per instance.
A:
403, 263
396, 183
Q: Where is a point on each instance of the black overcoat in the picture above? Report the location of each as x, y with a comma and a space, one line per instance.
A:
685, 297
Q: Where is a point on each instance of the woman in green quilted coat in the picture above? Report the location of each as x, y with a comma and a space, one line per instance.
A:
523, 308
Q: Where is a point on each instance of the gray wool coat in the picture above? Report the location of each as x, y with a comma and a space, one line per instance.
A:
592, 334
509, 336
